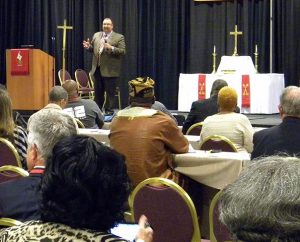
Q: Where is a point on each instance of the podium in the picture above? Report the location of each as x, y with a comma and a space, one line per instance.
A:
29, 90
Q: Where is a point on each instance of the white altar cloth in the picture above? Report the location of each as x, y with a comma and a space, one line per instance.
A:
265, 90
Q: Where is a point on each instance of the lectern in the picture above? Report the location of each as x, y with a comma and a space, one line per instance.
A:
29, 86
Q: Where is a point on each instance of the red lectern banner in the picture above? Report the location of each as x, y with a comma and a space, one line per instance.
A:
19, 61
201, 87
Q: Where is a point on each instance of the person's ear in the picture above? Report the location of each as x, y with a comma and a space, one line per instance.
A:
280, 109
32, 156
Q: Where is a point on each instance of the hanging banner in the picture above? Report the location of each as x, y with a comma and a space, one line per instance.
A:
19, 61
201, 86
245, 91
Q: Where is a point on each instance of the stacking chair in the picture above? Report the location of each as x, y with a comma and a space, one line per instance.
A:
8, 154
218, 142
218, 232
195, 129
169, 209
60, 76
79, 123
9, 172
84, 86
8, 222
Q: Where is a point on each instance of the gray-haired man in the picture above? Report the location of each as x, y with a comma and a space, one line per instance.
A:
19, 199
285, 137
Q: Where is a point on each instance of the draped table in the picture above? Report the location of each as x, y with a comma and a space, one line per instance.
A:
264, 90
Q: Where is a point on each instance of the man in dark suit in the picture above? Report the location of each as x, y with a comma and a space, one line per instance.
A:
204, 108
285, 137
108, 47
19, 199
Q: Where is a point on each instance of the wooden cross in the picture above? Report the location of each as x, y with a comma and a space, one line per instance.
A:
235, 33
65, 28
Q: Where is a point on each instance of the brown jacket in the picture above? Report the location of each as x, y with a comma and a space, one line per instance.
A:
147, 138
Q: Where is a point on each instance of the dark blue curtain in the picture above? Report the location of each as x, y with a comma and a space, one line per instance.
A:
163, 37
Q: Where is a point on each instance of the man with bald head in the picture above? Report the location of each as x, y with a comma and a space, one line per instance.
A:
86, 110
284, 137
58, 98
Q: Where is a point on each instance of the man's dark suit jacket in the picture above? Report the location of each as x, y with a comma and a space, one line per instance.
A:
281, 138
200, 110
20, 198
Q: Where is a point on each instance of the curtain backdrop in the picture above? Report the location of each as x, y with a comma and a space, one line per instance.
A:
163, 37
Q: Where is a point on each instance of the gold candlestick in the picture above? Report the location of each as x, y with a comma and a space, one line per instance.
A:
256, 59
214, 54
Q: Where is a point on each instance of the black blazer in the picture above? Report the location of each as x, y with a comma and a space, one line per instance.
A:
20, 198
200, 110
281, 138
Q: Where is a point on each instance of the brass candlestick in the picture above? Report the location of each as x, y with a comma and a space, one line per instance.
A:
214, 54
256, 59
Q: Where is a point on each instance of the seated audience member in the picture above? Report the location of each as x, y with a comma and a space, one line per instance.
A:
86, 110
201, 109
145, 136
161, 107
58, 98
19, 199
84, 189
263, 203
9, 130
17, 117
234, 126
286, 136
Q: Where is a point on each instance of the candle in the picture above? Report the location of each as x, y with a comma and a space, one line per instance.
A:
255, 48
214, 49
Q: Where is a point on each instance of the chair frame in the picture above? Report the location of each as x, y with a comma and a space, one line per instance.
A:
14, 169
89, 85
8, 222
219, 137
212, 206
211, 216
192, 127
79, 123
158, 181
60, 77
13, 150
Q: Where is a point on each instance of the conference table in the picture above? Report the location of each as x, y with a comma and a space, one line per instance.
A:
265, 90
215, 170
212, 169
101, 135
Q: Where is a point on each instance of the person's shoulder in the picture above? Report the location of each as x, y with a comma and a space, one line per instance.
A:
163, 118
18, 129
89, 102
117, 35
96, 34
14, 185
266, 131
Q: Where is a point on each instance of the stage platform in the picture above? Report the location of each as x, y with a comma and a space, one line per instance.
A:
257, 120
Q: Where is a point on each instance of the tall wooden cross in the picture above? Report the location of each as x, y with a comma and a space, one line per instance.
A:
65, 28
235, 33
